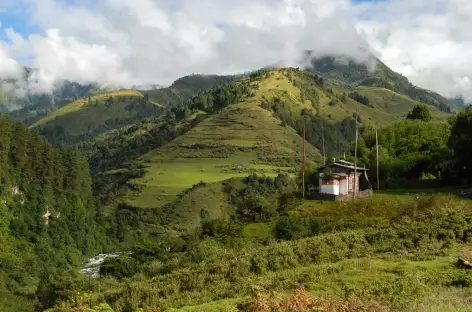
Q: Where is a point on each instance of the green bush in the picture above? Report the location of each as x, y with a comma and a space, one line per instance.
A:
288, 227
120, 267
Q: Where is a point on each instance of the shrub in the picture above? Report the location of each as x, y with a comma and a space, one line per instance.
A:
288, 227
120, 267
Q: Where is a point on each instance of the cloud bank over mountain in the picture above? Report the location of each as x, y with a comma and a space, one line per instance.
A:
124, 43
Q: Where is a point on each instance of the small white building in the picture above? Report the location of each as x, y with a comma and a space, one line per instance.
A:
339, 178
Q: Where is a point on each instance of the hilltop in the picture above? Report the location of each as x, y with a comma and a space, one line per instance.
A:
391, 93
83, 119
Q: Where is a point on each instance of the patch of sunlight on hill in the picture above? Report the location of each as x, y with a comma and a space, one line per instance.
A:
329, 102
79, 104
277, 84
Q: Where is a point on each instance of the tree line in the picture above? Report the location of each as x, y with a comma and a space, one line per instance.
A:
47, 213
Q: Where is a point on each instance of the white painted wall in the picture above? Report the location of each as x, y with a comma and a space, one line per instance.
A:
329, 189
344, 186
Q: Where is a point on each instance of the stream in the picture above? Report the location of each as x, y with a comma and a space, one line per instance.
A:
92, 268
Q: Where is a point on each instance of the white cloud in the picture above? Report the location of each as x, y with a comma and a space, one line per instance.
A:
427, 41
121, 42
67, 58
10, 68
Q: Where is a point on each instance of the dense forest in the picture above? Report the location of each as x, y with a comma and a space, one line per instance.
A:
47, 216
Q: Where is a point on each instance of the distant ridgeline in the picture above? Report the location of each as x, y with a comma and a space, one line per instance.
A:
47, 214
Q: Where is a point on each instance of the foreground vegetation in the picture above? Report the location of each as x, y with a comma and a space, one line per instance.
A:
393, 250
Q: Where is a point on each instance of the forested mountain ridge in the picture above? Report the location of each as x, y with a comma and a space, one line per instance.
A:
47, 216
185, 87
25, 102
343, 71
67, 117
83, 119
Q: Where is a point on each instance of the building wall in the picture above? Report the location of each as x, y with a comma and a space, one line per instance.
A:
343, 186
351, 183
329, 189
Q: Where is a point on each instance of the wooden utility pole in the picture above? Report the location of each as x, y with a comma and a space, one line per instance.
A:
324, 149
355, 164
377, 147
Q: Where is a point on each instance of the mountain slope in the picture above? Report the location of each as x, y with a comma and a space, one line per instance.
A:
187, 86
261, 132
32, 106
349, 72
80, 104
83, 119
238, 140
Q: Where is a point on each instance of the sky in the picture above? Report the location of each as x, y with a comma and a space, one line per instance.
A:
120, 43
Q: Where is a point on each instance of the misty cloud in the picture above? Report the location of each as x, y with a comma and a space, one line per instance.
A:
125, 43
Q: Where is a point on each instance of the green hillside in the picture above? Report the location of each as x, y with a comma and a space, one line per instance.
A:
238, 140
83, 119
259, 131
32, 107
187, 86
82, 103
391, 252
